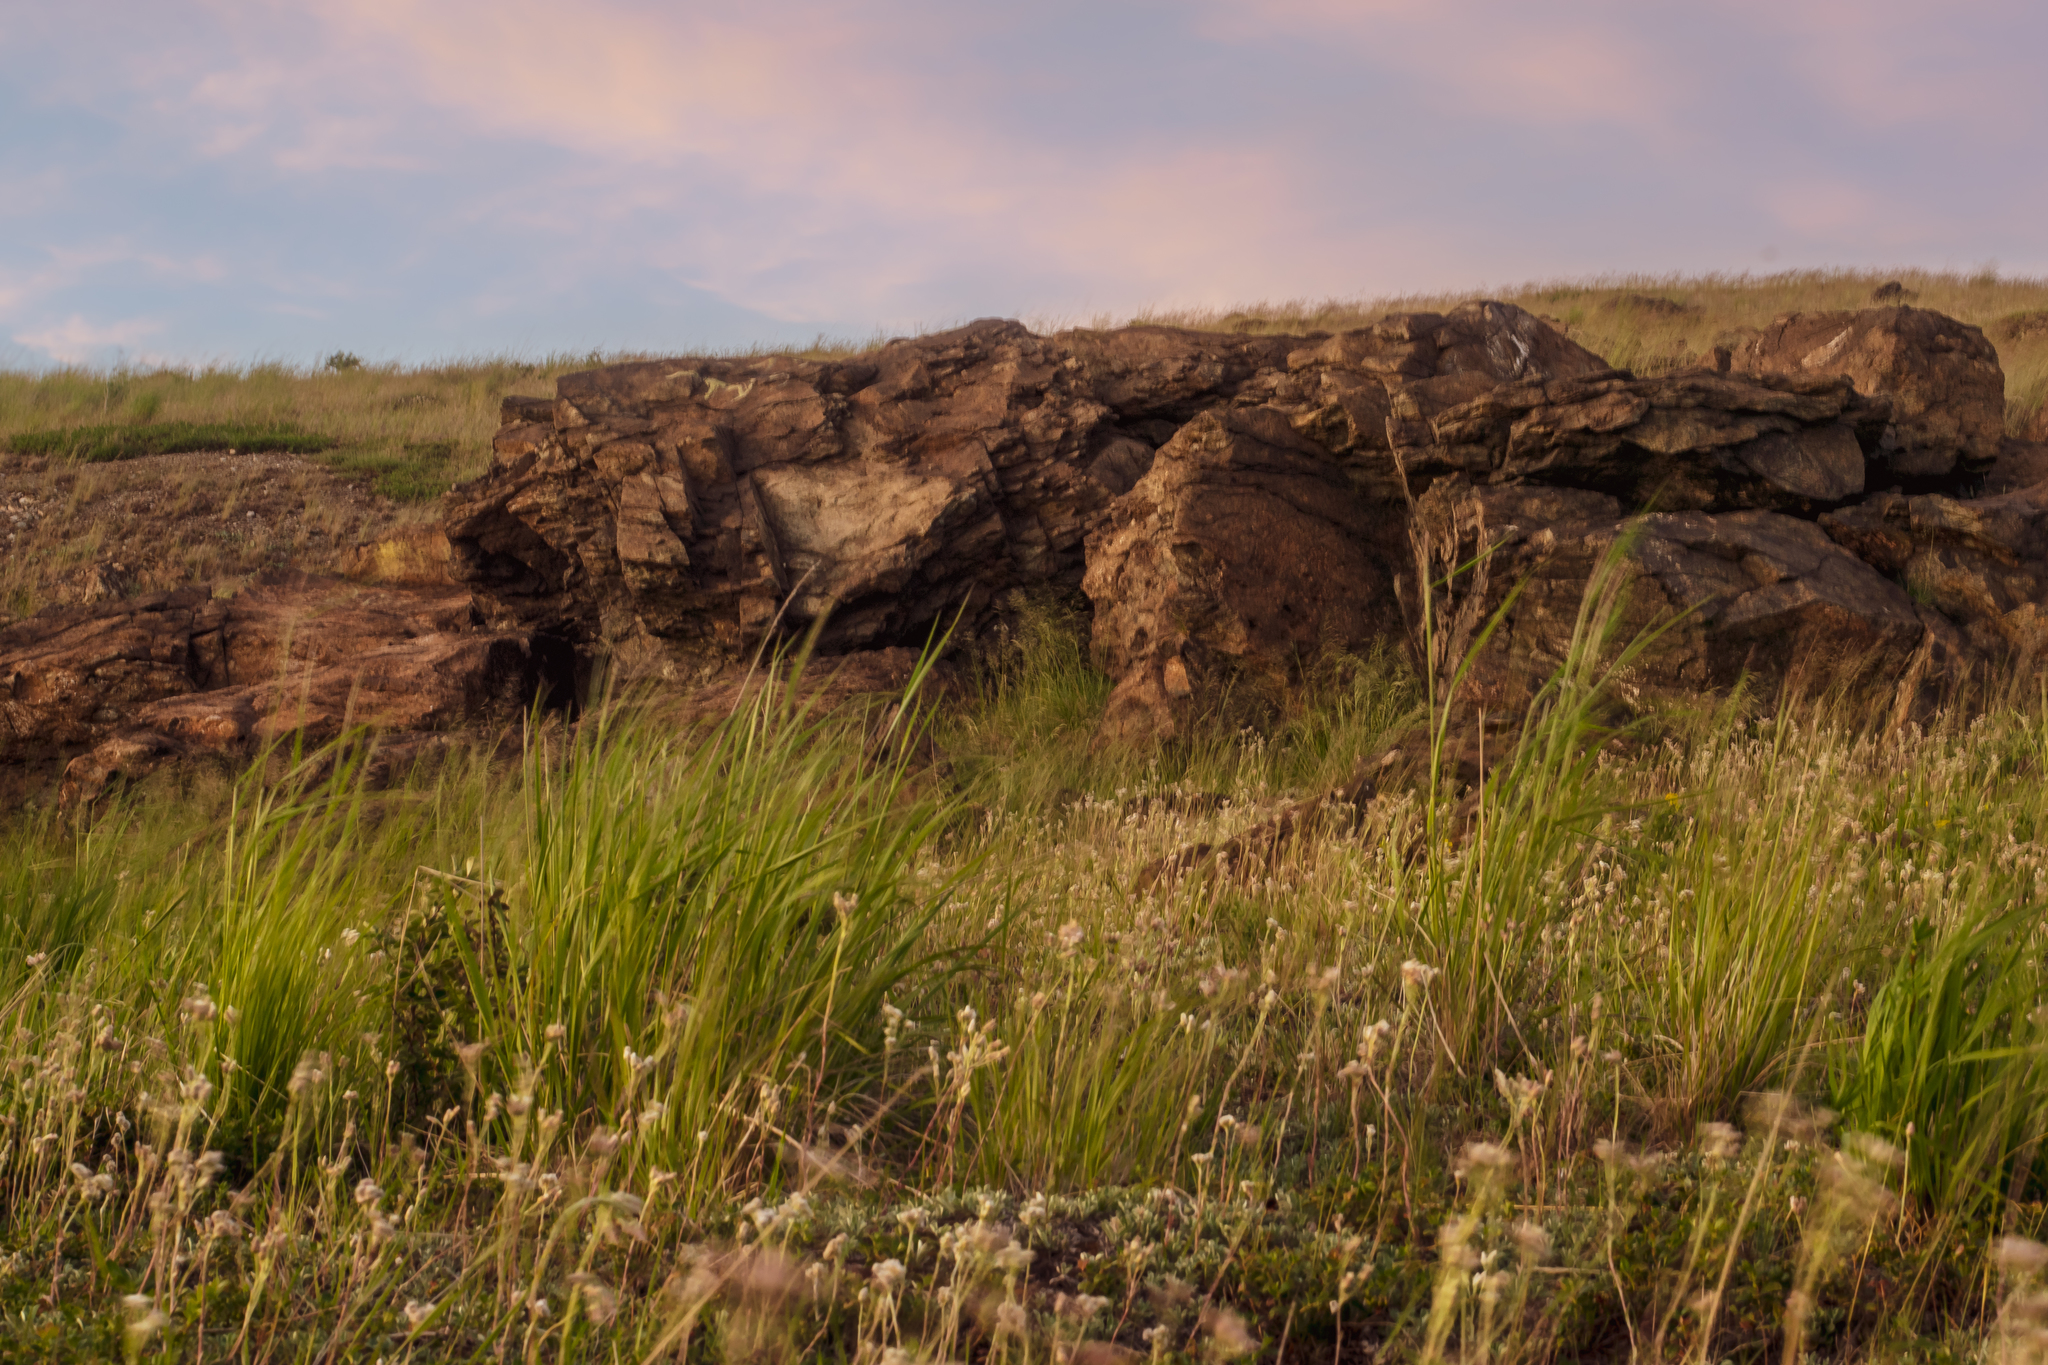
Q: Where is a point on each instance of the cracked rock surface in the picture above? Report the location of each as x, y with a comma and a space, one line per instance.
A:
1834, 498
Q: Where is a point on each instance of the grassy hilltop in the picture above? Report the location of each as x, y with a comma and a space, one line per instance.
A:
1718, 1036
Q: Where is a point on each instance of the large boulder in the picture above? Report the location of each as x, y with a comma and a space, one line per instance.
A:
1241, 554
1941, 378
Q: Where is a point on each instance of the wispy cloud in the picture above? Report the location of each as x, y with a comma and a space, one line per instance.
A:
1538, 64
77, 341
456, 169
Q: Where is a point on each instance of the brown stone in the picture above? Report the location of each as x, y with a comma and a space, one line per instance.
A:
2020, 464
1691, 439
1941, 378
1749, 593
1242, 553
134, 682
70, 675
1981, 563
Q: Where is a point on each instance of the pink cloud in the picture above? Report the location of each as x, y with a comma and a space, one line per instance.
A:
1824, 208
1544, 64
1898, 63
895, 162
76, 340
820, 130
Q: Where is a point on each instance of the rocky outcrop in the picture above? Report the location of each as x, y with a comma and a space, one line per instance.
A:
1231, 505
1245, 553
134, 682
672, 515
1940, 377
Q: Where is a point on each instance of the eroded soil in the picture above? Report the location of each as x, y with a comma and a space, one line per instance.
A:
82, 533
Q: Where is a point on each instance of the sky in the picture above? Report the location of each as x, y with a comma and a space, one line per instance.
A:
235, 181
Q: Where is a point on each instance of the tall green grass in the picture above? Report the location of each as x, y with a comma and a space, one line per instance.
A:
689, 1035
704, 962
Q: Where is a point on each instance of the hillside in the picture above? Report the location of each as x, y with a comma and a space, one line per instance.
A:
887, 1007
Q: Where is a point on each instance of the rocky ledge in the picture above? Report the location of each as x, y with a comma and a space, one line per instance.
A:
115, 689
1834, 496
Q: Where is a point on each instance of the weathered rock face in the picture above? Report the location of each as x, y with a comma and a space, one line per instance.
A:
1245, 549
1941, 378
1980, 564
1692, 440
1239, 503
1751, 592
671, 514
134, 682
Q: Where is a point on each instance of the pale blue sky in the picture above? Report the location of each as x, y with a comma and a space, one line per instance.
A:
197, 180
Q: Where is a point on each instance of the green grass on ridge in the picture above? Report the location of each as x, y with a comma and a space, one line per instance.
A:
98, 444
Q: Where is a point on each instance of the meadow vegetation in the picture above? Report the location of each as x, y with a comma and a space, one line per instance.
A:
409, 432
1710, 1036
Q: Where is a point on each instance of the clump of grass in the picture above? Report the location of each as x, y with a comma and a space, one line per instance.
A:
97, 445
415, 472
